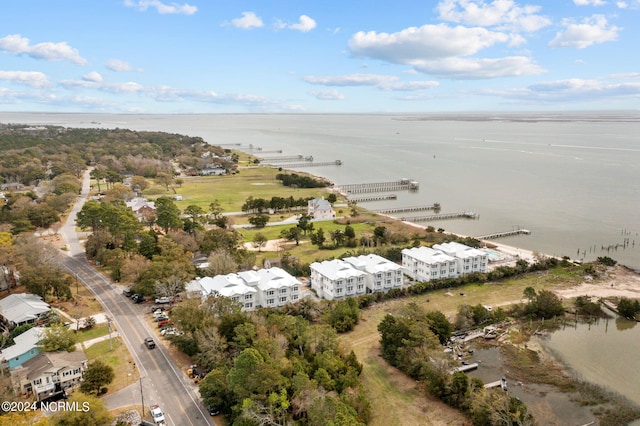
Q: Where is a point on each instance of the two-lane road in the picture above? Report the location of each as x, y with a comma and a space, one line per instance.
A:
161, 380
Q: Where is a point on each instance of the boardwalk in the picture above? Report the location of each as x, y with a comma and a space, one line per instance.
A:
520, 231
361, 188
434, 206
374, 198
466, 215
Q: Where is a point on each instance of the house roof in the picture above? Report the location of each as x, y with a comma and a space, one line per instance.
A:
244, 282
372, 263
275, 278
319, 204
22, 343
137, 203
458, 250
23, 307
428, 255
336, 269
51, 362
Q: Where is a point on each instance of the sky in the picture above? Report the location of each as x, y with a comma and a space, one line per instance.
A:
286, 56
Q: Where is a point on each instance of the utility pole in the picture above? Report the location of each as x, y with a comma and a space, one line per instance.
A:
109, 328
142, 396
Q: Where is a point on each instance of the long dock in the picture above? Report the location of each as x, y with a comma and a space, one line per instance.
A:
502, 383
308, 164
466, 215
284, 158
495, 235
374, 198
399, 185
468, 367
435, 206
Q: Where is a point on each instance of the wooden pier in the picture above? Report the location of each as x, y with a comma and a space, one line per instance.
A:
502, 383
468, 367
399, 185
435, 206
374, 198
519, 231
273, 151
308, 164
285, 158
466, 215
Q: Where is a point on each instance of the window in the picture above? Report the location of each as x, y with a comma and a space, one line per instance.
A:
283, 291
350, 289
248, 305
295, 288
270, 301
294, 297
338, 290
76, 371
283, 299
248, 296
37, 381
270, 293
360, 286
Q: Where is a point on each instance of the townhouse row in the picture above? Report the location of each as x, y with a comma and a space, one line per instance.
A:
448, 260
272, 287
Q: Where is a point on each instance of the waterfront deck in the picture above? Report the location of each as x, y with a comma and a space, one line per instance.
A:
381, 197
285, 158
306, 164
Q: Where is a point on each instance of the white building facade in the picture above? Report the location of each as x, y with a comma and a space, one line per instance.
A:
382, 274
468, 259
448, 260
337, 279
319, 208
272, 287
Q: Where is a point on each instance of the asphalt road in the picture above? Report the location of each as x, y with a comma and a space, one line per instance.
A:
161, 381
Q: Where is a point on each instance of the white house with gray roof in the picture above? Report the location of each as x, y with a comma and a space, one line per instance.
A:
382, 274
23, 308
337, 279
319, 208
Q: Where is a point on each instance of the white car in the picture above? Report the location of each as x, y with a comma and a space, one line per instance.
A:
157, 414
164, 299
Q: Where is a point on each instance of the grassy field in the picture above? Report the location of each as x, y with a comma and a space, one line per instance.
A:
233, 190
118, 358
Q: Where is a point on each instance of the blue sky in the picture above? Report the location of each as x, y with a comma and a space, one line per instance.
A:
354, 56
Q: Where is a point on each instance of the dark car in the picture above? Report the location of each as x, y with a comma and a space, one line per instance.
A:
213, 411
127, 292
149, 343
137, 298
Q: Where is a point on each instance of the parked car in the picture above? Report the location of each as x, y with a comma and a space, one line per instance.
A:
149, 343
127, 292
213, 411
162, 323
137, 298
164, 300
157, 414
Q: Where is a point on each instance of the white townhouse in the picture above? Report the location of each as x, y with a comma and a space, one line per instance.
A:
319, 208
336, 279
469, 259
425, 263
272, 287
382, 274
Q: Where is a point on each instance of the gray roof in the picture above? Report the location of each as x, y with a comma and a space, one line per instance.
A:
19, 308
52, 362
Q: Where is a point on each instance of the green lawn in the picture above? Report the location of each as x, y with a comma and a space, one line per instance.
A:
96, 331
233, 190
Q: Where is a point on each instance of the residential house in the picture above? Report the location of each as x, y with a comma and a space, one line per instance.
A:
272, 287
142, 208
337, 279
382, 274
319, 208
24, 348
468, 259
425, 264
23, 308
49, 373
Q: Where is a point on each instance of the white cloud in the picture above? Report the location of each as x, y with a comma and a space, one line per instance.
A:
471, 68
162, 8
92, 76
592, 30
502, 14
48, 51
125, 87
327, 95
120, 66
351, 80
248, 20
305, 24
589, 2
622, 4
383, 82
423, 43
29, 78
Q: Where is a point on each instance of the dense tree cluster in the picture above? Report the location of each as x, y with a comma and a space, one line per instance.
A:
277, 204
271, 367
301, 181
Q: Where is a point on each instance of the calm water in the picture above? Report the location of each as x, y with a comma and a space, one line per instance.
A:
574, 181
